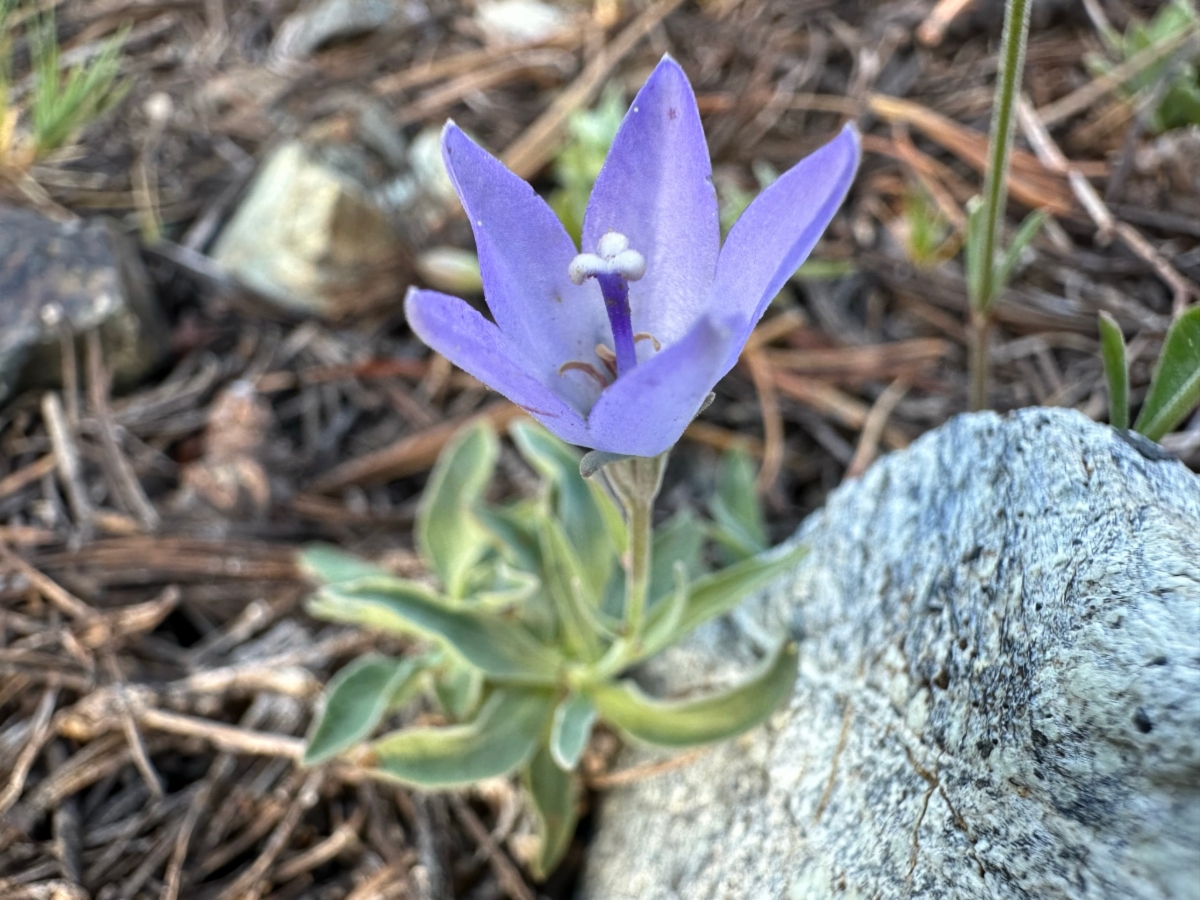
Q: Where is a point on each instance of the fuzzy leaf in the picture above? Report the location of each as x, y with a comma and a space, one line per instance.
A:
501, 649
586, 512
718, 593
1175, 388
574, 599
1116, 369
329, 564
555, 799
686, 723
679, 540
356, 700
447, 532
501, 738
570, 730
735, 507
458, 687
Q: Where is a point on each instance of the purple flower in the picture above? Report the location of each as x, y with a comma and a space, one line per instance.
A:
616, 348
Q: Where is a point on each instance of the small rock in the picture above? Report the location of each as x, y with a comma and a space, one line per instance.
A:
77, 276
520, 21
308, 236
310, 29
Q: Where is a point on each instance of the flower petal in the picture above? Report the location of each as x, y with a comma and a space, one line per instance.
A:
656, 189
645, 412
458, 332
779, 229
524, 252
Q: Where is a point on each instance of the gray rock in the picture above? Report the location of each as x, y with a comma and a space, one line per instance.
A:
329, 20
77, 276
999, 693
308, 236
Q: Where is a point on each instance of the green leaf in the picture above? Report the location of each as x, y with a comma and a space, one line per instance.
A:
1024, 235
686, 723
586, 512
356, 700
1116, 369
570, 730
718, 593
1175, 388
501, 649
679, 540
458, 687
573, 598
735, 507
555, 800
662, 625
330, 565
502, 737
514, 530
447, 532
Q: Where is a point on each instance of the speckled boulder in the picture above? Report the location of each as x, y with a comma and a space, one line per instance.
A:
999, 694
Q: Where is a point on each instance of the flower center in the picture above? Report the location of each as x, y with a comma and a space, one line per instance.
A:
614, 265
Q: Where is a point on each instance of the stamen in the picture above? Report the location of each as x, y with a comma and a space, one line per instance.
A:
585, 368
608, 358
647, 336
613, 266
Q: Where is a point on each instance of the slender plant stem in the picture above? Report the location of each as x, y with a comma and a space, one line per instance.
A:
636, 481
995, 184
995, 193
638, 580
978, 329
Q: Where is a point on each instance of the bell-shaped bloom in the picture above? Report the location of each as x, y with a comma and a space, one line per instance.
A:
617, 347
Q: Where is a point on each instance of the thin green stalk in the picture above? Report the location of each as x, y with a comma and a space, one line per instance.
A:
636, 481
995, 184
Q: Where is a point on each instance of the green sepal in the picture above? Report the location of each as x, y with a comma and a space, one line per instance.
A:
447, 532
570, 730
687, 723
1116, 370
329, 564
1175, 388
739, 525
554, 796
716, 594
501, 649
502, 737
356, 701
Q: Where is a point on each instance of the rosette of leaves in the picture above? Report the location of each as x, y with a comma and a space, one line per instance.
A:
526, 653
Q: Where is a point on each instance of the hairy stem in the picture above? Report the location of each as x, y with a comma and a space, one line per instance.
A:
636, 481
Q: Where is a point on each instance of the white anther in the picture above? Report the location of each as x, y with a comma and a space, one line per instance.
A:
613, 258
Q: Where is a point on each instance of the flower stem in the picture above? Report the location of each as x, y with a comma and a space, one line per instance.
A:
636, 481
